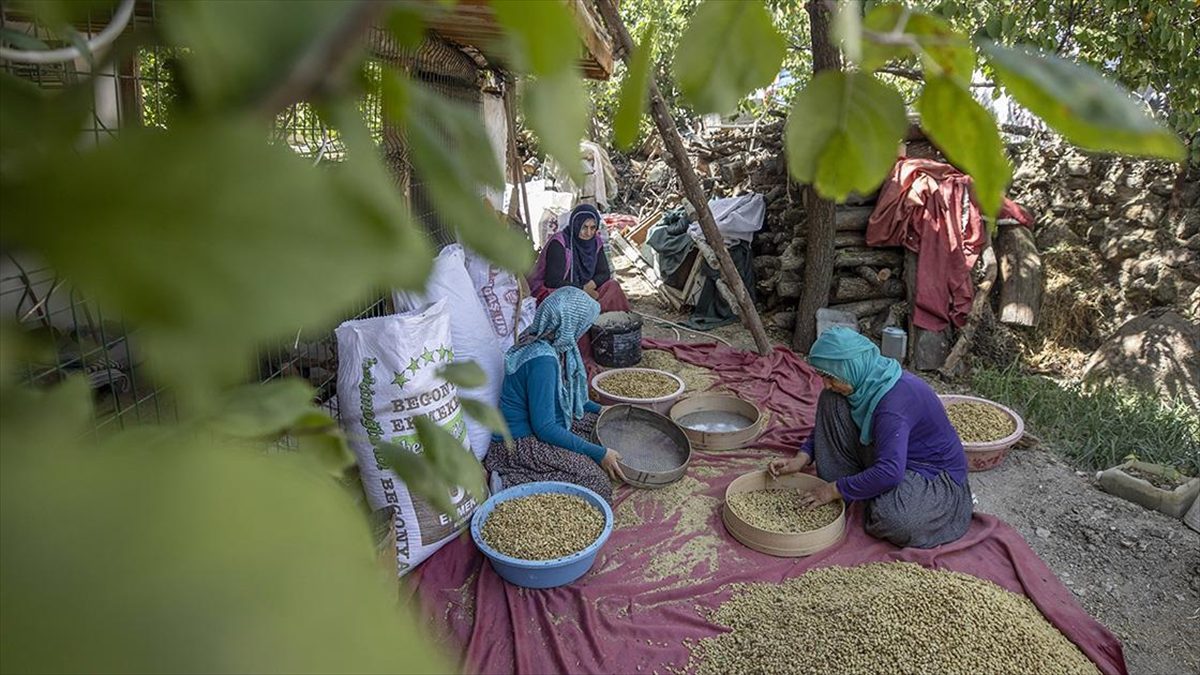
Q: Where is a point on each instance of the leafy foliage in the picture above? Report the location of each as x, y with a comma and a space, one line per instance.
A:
634, 93
543, 42
967, 135
1073, 99
452, 177
843, 133
750, 51
1079, 103
212, 242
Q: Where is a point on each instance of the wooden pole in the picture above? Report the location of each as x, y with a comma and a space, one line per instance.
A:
677, 157
518, 172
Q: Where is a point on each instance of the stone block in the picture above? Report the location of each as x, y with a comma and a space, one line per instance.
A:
1173, 503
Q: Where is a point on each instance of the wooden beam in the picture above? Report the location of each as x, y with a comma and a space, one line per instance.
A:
1020, 276
677, 156
598, 45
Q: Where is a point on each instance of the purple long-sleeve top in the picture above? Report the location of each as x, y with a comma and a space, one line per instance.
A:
911, 432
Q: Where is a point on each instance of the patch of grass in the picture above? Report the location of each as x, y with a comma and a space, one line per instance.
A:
1097, 428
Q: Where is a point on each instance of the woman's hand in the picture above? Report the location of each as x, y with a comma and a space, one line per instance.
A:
610, 465
783, 467
590, 289
822, 495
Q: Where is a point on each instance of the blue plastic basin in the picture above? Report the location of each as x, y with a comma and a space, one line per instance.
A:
541, 573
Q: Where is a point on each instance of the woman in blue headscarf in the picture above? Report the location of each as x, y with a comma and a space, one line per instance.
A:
575, 257
545, 402
882, 437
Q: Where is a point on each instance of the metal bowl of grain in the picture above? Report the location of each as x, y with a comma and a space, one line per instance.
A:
764, 514
718, 422
654, 450
546, 543
655, 390
987, 429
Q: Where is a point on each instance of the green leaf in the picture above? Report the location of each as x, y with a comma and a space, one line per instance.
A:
406, 23
366, 186
487, 416
264, 410
1087, 109
37, 125
556, 106
328, 448
942, 50
450, 459
967, 134
543, 38
729, 50
437, 468
634, 91
883, 19
42, 421
847, 26
418, 474
451, 151
215, 560
20, 40
238, 51
465, 374
844, 132
226, 243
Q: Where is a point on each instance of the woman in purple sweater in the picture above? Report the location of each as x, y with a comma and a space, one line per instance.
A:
882, 437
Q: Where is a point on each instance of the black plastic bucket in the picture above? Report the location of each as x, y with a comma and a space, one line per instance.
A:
617, 339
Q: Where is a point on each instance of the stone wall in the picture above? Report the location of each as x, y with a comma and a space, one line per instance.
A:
1140, 218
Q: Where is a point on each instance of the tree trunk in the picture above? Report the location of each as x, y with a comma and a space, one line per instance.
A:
1020, 276
676, 155
818, 268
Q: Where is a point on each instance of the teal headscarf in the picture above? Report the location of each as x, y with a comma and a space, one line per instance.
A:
854, 359
562, 318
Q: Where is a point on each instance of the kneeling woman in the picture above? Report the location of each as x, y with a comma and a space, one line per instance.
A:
545, 403
882, 437
575, 257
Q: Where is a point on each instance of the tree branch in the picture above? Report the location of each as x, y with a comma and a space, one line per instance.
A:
324, 60
917, 76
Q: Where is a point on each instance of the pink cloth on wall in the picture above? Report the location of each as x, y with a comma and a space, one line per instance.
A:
670, 558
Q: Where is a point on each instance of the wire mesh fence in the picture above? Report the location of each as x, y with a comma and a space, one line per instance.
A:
138, 90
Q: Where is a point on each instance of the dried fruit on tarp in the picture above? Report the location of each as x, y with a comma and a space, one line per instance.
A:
638, 384
883, 618
980, 422
542, 526
781, 511
695, 378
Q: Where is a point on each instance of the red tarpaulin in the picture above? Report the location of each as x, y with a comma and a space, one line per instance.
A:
669, 559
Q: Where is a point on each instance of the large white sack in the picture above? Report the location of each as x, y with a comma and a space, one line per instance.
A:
499, 294
387, 374
471, 332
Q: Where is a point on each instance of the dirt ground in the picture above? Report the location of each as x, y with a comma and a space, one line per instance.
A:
1135, 570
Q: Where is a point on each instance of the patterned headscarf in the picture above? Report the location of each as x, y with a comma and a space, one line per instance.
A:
854, 359
562, 318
